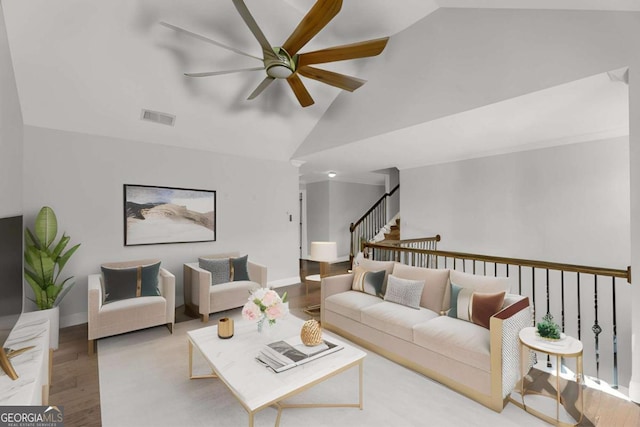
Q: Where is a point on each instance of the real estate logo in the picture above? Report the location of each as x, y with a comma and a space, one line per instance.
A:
31, 416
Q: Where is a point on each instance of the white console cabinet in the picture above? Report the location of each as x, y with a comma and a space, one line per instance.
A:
33, 366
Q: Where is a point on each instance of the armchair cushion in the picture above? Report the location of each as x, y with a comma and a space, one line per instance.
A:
219, 268
130, 282
239, 270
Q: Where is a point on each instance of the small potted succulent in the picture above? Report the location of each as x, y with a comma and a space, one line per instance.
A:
548, 329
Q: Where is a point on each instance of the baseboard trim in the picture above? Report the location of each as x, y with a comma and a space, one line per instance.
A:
294, 280
74, 319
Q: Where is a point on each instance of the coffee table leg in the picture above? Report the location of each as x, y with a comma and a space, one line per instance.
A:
361, 368
197, 377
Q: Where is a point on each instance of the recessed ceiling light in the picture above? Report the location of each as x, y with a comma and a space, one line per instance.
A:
332, 174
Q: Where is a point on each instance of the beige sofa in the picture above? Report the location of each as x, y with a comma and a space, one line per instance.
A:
201, 299
480, 363
130, 314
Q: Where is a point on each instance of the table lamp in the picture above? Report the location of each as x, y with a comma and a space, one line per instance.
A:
324, 253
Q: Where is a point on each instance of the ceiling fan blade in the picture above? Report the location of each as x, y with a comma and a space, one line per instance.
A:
208, 40
219, 73
299, 90
315, 20
341, 81
267, 50
262, 86
344, 52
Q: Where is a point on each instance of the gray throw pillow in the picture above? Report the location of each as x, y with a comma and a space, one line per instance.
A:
239, 269
131, 282
219, 268
403, 291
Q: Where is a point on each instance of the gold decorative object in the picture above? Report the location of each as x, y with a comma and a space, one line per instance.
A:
311, 333
225, 328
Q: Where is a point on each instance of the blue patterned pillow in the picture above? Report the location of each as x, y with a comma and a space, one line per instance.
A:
220, 269
403, 291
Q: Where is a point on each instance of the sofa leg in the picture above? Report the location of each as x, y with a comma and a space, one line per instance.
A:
170, 326
92, 347
205, 318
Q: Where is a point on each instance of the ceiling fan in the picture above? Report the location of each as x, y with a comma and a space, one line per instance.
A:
284, 62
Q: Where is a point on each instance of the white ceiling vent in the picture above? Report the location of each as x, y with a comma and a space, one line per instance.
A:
158, 117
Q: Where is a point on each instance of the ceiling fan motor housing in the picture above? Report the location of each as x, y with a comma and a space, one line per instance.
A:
282, 67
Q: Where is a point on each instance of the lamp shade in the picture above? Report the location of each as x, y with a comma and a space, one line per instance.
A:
324, 251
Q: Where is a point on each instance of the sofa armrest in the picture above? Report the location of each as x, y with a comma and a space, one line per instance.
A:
257, 273
505, 348
94, 304
335, 284
197, 282
167, 286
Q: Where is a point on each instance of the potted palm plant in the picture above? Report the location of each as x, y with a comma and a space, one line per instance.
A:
44, 261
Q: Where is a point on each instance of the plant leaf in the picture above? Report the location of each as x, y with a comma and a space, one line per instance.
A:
46, 226
60, 247
30, 239
65, 288
62, 261
37, 280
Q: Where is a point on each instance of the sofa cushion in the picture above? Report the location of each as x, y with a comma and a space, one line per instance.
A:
350, 304
403, 291
435, 280
130, 282
394, 319
369, 282
231, 294
220, 269
239, 270
465, 342
477, 283
484, 305
373, 265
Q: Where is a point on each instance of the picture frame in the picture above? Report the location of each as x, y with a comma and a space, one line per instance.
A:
160, 215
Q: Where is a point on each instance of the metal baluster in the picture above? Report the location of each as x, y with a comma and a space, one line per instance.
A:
562, 298
596, 328
474, 266
548, 312
579, 320
485, 267
495, 269
615, 335
519, 280
533, 293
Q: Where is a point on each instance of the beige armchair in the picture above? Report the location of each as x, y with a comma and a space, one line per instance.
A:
117, 317
201, 298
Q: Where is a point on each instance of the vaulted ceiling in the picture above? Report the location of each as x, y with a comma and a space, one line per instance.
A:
91, 66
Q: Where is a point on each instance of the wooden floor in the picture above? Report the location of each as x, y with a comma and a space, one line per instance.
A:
75, 383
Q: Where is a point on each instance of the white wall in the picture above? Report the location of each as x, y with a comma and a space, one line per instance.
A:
10, 133
81, 177
333, 205
566, 204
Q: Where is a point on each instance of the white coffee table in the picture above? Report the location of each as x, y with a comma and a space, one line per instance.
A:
257, 387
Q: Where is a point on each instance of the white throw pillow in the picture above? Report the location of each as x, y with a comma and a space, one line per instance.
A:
403, 291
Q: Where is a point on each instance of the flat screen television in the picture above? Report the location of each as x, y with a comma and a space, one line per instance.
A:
11, 288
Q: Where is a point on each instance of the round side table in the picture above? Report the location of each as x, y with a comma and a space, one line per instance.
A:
567, 347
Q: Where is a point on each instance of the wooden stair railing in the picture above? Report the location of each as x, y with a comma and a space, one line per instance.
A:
370, 223
573, 294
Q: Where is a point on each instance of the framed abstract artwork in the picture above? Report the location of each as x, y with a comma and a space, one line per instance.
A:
155, 215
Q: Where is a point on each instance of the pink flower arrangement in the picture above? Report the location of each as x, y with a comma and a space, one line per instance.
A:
265, 304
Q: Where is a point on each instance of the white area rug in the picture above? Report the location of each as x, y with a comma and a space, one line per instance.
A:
144, 382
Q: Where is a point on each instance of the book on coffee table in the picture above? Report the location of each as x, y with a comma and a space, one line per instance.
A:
286, 354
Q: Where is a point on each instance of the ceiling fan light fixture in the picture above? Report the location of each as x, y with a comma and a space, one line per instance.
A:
279, 71
332, 174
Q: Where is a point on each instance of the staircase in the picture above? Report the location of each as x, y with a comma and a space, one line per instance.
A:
370, 224
394, 232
